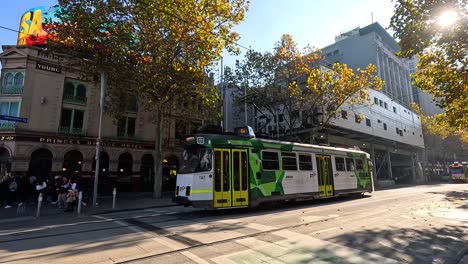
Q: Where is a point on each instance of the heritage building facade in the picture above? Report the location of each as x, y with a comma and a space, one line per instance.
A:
60, 118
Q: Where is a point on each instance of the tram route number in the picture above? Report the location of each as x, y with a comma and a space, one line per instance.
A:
201, 177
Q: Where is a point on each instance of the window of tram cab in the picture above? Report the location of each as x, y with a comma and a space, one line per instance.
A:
350, 164
359, 164
196, 160
340, 164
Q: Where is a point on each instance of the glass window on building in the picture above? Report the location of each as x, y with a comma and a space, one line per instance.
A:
344, 114
19, 79
394, 109
71, 121
9, 109
376, 100
126, 126
368, 122
74, 92
357, 119
384, 126
8, 79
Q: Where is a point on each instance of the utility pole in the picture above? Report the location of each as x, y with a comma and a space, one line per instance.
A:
98, 141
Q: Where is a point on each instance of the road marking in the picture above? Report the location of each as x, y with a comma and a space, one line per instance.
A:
194, 257
325, 230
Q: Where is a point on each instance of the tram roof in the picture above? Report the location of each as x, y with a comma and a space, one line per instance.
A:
305, 145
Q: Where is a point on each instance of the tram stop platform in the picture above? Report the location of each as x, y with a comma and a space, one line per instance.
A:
124, 202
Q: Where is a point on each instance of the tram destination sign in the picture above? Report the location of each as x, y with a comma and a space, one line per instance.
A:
14, 118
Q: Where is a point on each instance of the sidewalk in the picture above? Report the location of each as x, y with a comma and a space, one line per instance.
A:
124, 202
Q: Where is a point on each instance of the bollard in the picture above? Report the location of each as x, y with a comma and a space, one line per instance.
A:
113, 198
80, 198
39, 204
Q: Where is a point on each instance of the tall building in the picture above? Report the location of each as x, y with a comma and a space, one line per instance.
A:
59, 135
374, 45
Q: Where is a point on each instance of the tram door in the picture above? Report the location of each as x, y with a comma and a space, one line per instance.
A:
230, 178
325, 174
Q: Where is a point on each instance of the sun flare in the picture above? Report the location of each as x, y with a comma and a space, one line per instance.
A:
447, 18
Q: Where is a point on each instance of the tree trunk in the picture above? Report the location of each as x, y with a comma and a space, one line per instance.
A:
157, 190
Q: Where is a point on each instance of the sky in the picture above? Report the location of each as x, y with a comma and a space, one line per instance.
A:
310, 22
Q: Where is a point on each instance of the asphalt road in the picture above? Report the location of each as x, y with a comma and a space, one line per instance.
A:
423, 224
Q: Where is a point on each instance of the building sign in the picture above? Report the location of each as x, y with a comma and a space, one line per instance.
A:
111, 144
48, 67
35, 25
77, 141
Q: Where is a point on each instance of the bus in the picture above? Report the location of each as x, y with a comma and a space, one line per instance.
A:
459, 172
234, 170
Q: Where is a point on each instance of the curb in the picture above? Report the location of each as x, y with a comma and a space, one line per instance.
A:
16, 219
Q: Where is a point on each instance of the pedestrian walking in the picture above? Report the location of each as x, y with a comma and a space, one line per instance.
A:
63, 192
12, 191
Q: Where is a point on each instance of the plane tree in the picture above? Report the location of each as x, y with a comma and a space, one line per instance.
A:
289, 81
159, 51
437, 32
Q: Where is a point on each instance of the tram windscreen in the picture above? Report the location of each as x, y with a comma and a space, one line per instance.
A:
456, 170
196, 159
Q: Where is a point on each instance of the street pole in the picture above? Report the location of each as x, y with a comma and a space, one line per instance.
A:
245, 103
98, 142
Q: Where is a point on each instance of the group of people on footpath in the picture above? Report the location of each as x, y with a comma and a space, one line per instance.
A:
16, 190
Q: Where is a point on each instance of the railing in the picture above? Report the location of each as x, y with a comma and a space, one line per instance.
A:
12, 89
7, 126
69, 98
72, 131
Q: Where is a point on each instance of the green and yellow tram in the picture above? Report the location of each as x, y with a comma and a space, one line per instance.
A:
240, 170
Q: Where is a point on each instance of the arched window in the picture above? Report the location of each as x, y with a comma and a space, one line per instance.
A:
8, 80
74, 92
124, 172
5, 165
147, 173
40, 164
72, 163
19, 79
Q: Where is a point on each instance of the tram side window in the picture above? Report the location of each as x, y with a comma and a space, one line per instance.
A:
217, 172
270, 160
305, 162
350, 164
359, 164
340, 164
289, 161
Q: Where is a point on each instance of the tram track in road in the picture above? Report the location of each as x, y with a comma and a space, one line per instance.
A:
188, 243
192, 244
130, 222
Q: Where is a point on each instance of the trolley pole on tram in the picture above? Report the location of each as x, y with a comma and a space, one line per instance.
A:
98, 141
